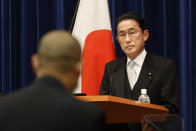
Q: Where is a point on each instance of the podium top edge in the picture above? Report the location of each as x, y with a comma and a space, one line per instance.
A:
114, 99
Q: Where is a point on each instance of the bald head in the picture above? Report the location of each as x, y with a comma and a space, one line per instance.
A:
58, 56
58, 50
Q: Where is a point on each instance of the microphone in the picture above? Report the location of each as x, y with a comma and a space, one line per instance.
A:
111, 81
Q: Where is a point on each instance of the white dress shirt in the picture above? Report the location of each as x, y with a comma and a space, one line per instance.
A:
138, 62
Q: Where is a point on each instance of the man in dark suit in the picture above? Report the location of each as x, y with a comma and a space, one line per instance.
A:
47, 104
126, 76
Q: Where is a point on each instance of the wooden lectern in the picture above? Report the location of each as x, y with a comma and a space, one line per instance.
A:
121, 110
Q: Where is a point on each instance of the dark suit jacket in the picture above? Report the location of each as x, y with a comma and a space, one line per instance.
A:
161, 85
47, 106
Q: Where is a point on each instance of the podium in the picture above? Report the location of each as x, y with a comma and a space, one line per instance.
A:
121, 110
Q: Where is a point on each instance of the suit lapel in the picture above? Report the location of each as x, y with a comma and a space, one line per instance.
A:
144, 79
119, 78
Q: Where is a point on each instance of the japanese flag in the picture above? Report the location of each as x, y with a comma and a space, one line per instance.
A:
92, 28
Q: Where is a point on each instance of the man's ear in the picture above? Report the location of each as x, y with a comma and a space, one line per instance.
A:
34, 63
78, 66
117, 38
145, 35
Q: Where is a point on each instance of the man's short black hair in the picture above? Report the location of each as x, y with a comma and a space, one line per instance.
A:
134, 16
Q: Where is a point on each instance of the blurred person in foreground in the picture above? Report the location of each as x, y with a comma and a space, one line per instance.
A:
47, 103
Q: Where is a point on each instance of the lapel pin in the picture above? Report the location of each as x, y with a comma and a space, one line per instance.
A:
150, 75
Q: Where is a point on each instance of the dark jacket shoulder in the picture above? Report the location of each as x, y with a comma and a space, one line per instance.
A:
159, 62
117, 63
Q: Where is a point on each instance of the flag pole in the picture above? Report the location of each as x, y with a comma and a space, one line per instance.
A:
74, 17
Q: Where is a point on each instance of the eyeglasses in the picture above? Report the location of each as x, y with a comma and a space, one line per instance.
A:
131, 34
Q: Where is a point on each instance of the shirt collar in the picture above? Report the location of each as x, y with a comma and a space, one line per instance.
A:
139, 59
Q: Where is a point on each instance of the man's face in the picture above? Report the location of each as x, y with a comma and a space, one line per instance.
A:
131, 37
